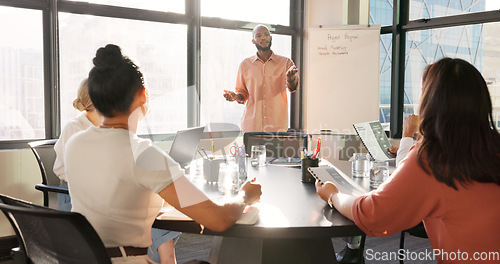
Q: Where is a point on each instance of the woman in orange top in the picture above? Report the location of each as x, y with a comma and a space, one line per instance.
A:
450, 179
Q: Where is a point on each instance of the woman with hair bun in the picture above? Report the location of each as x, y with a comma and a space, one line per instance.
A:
89, 117
134, 175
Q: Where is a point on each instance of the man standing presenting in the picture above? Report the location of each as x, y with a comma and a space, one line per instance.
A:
261, 83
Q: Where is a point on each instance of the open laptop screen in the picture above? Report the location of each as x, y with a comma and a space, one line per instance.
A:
184, 145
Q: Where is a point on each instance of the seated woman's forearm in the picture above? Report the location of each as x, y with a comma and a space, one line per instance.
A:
343, 203
191, 201
216, 217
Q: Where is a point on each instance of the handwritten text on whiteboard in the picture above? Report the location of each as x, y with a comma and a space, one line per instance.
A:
334, 44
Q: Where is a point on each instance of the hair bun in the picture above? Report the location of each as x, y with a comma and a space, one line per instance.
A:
78, 105
108, 58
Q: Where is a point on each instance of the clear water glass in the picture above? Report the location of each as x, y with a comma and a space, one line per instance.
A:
379, 172
360, 165
229, 181
258, 155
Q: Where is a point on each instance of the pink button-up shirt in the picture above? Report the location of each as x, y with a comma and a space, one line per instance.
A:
264, 85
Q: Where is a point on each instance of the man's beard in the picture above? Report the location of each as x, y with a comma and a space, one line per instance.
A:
259, 47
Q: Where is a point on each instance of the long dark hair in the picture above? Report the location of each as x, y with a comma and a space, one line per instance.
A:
460, 142
113, 81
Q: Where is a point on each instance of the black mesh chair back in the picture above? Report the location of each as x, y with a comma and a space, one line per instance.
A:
418, 231
51, 236
45, 156
278, 144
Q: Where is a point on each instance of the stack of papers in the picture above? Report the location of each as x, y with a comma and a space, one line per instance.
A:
249, 217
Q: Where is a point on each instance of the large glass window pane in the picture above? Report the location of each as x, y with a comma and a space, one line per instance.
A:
491, 65
440, 8
222, 52
265, 11
385, 79
159, 49
175, 6
478, 44
381, 12
21, 74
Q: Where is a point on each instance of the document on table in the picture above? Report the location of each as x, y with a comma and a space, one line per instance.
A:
344, 183
249, 217
374, 139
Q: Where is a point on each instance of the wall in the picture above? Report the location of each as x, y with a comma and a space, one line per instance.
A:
19, 172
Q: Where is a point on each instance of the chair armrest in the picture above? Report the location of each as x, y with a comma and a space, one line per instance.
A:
51, 188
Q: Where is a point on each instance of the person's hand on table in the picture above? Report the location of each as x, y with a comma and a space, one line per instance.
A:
325, 190
252, 191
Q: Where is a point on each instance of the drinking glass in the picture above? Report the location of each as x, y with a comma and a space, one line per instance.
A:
360, 165
229, 181
258, 157
378, 173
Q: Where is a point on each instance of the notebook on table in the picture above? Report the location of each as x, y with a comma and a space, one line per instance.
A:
185, 144
375, 140
343, 182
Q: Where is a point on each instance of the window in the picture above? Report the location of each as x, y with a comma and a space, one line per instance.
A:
37, 87
222, 52
434, 8
262, 11
491, 66
381, 12
461, 36
21, 74
385, 78
464, 42
158, 48
176, 6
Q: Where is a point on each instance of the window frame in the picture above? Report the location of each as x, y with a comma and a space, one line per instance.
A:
192, 18
400, 26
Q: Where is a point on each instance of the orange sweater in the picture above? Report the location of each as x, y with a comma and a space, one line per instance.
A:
460, 224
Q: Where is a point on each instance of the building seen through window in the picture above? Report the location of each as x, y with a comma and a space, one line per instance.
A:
159, 49
477, 44
21, 74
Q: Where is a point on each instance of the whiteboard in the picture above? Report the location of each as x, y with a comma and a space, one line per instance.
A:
343, 77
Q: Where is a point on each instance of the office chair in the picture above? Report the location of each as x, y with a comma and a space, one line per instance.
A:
45, 156
418, 231
46, 235
278, 144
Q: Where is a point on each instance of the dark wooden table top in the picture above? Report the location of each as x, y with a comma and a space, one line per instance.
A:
288, 209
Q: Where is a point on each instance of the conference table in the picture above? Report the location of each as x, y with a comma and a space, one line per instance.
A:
294, 225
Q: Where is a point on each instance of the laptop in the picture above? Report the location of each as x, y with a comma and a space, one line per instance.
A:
185, 144
375, 140
283, 147
286, 161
